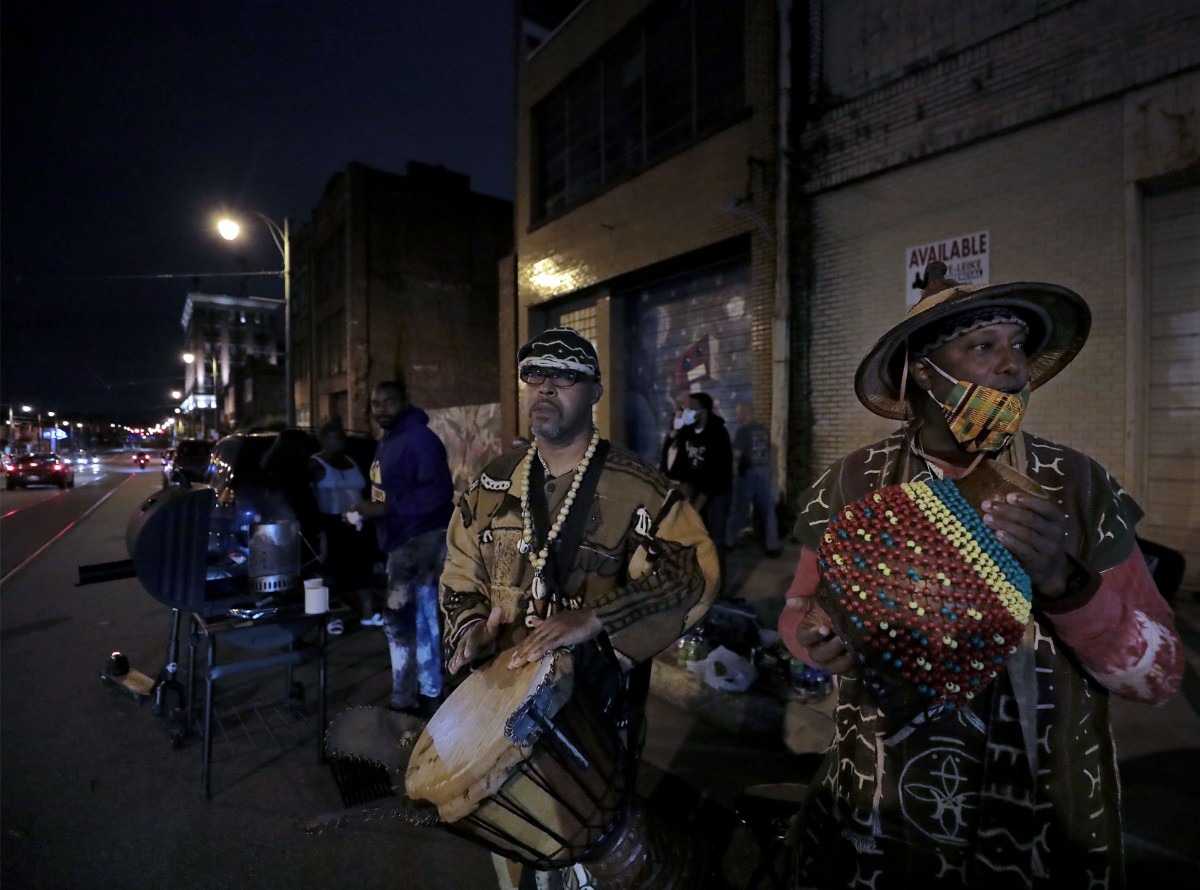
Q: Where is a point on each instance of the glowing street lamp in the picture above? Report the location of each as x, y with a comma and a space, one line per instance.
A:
229, 229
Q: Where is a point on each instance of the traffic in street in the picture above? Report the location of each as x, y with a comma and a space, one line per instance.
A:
32, 517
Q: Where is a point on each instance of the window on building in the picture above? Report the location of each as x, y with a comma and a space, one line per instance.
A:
331, 345
582, 319
666, 80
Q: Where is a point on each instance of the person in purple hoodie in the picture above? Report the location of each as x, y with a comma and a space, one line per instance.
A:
412, 499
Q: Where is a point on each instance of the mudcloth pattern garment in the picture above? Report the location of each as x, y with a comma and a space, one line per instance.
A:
1020, 788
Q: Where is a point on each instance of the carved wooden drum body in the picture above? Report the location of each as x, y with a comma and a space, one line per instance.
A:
524, 763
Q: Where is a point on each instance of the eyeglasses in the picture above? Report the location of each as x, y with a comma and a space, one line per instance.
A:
560, 379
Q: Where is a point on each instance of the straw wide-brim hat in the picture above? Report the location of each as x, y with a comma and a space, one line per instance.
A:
1058, 319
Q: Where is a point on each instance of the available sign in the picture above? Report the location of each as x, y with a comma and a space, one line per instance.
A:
966, 258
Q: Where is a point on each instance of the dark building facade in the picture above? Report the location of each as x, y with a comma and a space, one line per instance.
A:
396, 276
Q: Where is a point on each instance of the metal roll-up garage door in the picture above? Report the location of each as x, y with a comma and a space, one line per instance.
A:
688, 333
1173, 446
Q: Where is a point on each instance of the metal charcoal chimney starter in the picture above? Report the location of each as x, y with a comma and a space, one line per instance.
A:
274, 562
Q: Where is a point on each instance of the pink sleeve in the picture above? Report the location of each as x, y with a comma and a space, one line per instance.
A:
804, 583
1125, 634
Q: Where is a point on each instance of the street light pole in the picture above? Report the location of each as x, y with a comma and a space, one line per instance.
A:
287, 327
281, 235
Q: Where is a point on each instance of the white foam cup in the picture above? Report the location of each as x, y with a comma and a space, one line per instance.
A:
316, 596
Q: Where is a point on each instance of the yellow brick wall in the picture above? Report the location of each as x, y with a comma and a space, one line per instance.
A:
685, 203
1052, 197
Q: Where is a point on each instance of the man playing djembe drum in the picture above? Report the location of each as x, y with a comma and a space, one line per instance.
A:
1017, 785
572, 542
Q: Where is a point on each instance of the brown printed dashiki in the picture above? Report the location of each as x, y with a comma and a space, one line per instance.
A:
645, 564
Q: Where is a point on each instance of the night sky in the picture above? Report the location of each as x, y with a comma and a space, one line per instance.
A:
127, 126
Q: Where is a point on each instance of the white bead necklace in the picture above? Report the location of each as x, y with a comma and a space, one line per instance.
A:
538, 560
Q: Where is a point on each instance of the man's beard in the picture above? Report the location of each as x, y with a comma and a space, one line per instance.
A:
549, 428
554, 427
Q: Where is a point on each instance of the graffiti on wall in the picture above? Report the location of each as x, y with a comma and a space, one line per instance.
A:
685, 335
471, 434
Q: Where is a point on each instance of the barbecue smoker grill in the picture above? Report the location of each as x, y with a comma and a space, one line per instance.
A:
168, 539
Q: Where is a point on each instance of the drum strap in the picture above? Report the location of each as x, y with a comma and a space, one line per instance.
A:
628, 706
563, 553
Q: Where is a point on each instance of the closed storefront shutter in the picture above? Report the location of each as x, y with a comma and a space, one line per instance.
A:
688, 333
1173, 471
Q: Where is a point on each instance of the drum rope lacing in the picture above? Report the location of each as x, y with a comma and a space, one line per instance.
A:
538, 560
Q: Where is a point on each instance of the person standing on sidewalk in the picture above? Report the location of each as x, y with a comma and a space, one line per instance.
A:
412, 499
573, 542
1018, 787
703, 466
346, 553
754, 487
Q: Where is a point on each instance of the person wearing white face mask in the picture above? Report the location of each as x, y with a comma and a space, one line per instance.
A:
672, 463
1017, 786
698, 456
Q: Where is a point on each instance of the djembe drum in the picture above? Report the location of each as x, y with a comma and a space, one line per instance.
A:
524, 763
923, 594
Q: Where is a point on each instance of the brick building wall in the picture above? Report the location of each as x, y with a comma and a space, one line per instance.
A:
969, 76
403, 274
1041, 123
1052, 216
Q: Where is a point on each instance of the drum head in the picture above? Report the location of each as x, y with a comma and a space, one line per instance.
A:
483, 730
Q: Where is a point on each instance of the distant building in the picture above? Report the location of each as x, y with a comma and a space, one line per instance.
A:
397, 276
236, 377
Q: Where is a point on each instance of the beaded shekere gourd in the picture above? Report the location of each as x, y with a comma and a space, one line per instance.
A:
924, 595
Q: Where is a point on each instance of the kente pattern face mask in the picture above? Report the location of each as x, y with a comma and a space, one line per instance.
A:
981, 418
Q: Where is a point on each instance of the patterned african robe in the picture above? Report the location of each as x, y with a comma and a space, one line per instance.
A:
645, 564
1020, 788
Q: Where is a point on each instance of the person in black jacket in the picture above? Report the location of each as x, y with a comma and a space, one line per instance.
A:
702, 463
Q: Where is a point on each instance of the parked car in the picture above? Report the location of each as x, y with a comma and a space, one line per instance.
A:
39, 469
187, 463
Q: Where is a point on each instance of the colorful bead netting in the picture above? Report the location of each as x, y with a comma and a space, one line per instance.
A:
923, 592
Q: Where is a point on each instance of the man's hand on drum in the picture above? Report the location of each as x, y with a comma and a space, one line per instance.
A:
478, 637
560, 629
815, 633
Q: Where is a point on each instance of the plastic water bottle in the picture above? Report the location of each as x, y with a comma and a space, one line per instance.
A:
811, 684
819, 684
692, 647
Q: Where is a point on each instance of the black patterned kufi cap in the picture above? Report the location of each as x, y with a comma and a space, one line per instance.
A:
560, 349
